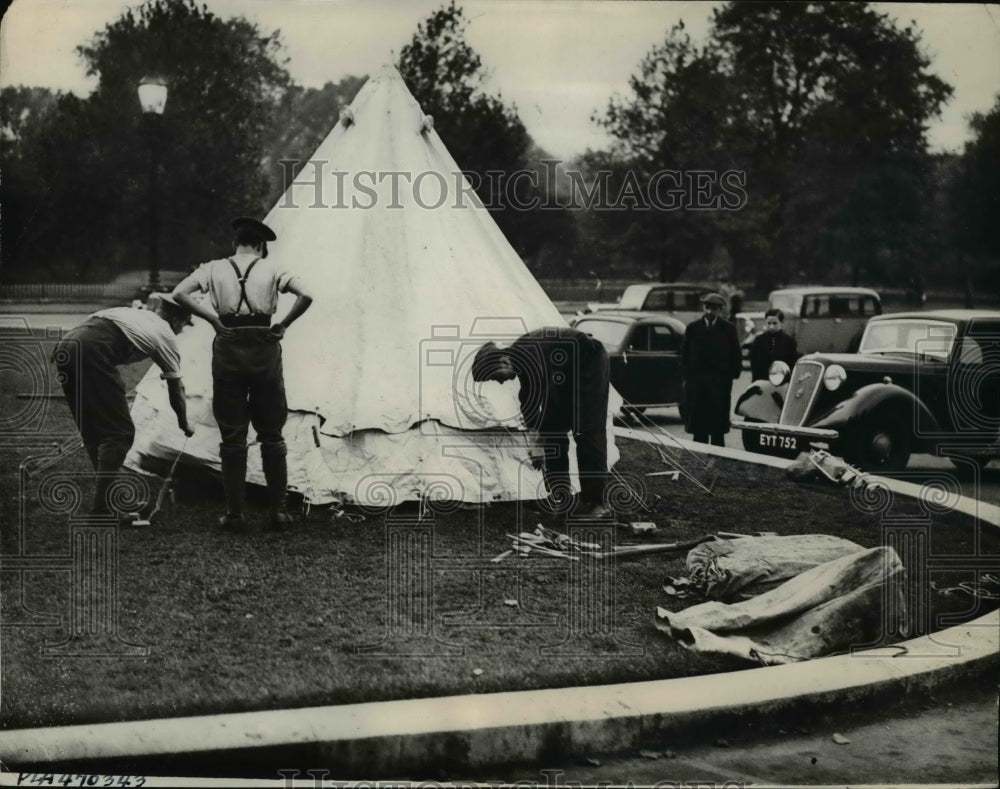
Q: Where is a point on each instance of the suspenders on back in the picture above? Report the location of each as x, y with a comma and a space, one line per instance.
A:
242, 280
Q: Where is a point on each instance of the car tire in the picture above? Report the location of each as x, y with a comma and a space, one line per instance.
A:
878, 445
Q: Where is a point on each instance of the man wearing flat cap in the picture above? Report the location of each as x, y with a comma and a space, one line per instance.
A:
248, 384
710, 361
87, 359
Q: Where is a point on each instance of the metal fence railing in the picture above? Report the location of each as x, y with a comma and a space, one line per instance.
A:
69, 292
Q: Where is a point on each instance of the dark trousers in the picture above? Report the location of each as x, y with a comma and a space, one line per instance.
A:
589, 428
87, 360
248, 387
707, 405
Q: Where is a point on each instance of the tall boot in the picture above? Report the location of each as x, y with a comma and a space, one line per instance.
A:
234, 476
109, 458
272, 459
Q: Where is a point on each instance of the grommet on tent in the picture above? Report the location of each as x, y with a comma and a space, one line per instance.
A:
346, 116
426, 124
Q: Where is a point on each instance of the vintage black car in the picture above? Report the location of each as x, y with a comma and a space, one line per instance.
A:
920, 382
644, 351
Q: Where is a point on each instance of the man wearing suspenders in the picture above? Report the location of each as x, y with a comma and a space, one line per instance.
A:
248, 385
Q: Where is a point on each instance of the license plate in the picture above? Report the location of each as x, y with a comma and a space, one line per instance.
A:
772, 441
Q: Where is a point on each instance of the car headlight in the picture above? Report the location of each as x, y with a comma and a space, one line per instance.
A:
778, 373
834, 376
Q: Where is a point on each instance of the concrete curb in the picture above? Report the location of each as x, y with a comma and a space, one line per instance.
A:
479, 730
464, 732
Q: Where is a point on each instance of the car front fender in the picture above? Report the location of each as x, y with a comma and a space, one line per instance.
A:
762, 401
879, 400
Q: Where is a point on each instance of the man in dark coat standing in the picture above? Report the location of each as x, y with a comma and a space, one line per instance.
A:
565, 379
710, 362
772, 345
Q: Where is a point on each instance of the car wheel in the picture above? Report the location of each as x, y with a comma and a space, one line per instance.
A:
879, 445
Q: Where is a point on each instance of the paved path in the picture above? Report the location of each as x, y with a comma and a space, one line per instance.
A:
948, 740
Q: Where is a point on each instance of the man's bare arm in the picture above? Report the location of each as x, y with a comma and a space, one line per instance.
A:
178, 402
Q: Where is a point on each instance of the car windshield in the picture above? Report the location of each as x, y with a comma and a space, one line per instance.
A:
931, 339
609, 333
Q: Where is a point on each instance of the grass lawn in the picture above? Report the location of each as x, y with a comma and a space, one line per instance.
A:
318, 616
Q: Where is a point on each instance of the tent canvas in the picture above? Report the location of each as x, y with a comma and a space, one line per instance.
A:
410, 274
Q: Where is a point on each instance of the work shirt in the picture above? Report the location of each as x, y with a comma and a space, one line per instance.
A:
219, 281
150, 335
558, 368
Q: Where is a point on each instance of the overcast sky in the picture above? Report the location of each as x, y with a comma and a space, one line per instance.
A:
559, 61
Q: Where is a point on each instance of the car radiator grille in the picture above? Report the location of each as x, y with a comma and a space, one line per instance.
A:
802, 390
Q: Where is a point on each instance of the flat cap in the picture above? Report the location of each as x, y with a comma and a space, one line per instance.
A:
255, 225
714, 299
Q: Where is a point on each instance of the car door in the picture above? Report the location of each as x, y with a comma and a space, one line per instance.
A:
843, 321
626, 372
653, 365
973, 395
814, 332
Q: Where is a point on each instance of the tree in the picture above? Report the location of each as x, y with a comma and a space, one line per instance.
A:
446, 77
302, 121
22, 112
674, 120
975, 201
225, 78
838, 98
21, 108
821, 105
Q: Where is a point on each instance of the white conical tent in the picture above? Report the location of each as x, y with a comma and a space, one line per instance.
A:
409, 275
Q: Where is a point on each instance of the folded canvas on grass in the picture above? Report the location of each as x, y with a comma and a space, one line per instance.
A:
829, 608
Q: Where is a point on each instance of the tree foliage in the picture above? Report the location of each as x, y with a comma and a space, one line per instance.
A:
303, 119
676, 118
976, 200
92, 156
484, 135
824, 107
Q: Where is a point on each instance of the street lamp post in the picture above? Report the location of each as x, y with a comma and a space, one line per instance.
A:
153, 100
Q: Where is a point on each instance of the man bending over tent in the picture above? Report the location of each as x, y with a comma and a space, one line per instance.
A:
564, 376
87, 359
248, 384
